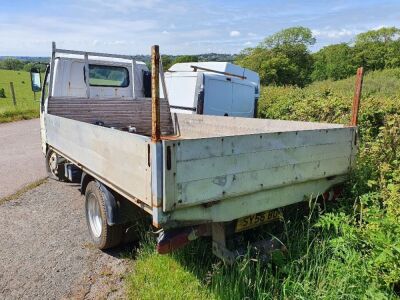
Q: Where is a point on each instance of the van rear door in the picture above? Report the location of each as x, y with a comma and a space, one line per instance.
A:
217, 95
243, 98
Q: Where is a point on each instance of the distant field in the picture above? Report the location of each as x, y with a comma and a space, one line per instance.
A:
26, 107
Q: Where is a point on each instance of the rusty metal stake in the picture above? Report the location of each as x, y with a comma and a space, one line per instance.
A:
155, 94
357, 96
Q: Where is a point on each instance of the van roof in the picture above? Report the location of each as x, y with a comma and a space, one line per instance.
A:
217, 66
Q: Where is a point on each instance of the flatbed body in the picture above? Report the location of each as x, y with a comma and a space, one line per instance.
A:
195, 174
205, 168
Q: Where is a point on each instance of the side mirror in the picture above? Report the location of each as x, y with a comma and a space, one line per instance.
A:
36, 80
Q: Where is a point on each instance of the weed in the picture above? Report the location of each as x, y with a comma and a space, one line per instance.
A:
23, 190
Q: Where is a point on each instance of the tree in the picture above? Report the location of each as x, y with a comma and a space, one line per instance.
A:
41, 67
186, 58
290, 37
382, 35
334, 62
392, 56
166, 61
282, 58
11, 64
377, 49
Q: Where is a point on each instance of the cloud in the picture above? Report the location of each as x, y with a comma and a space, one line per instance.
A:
234, 33
121, 6
178, 26
335, 33
380, 27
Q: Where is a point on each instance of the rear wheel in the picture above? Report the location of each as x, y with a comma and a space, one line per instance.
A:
103, 235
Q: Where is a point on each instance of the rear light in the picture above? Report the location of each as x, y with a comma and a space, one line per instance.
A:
333, 194
172, 240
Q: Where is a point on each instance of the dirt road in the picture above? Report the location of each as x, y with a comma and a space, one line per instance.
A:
45, 253
21, 159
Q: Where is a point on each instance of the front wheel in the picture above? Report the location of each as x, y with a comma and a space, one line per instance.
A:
103, 235
55, 165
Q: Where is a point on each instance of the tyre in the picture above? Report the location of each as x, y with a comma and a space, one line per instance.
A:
103, 235
55, 165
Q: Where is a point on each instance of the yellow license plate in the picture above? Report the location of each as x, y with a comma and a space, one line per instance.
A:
257, 220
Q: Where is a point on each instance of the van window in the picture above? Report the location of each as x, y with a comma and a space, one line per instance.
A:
111, 76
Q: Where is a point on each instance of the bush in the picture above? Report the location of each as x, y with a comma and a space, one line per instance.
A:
364, 239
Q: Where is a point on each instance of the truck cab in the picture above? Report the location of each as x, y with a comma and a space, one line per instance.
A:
109, 78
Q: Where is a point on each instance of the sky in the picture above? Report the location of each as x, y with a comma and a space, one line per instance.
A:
27, 27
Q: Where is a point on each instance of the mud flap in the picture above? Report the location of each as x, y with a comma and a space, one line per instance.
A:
112, 207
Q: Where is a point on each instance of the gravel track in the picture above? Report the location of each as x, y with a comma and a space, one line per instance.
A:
45, 251
21, 157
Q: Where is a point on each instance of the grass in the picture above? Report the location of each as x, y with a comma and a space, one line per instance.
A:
163, 277
26, 107
23, 190
348, 249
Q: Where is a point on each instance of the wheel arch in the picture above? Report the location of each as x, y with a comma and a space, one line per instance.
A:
111, 203
85, 179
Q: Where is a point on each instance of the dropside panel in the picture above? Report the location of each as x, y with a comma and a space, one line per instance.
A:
120, 158
213, 169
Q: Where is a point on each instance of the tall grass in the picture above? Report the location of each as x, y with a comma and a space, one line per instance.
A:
321, 262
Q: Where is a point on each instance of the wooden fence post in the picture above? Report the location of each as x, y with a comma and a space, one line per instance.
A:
155, 94
357, 96
13, 93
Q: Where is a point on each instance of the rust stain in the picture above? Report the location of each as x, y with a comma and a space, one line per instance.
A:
169, 137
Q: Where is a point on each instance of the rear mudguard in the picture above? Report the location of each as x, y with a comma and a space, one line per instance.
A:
112, 205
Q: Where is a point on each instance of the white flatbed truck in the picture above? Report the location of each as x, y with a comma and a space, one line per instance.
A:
193, 174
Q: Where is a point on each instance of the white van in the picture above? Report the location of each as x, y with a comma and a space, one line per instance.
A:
212, 88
